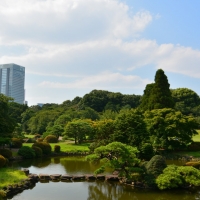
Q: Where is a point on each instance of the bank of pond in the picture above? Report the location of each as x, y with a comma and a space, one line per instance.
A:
72, 178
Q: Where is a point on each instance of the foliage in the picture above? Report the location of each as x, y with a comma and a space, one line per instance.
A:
186, 101
167, 125
116, 155
101, 100
156, 165
7, 124
158, 94
56, 130
78, 129
175, 176
51, 139
46, 147
57, 148
2, 160
194, 146
38, 151
15, 111
6, 153
26, 152
130, 128
146, 151
16, 143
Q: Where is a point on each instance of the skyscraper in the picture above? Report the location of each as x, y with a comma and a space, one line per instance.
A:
12, 78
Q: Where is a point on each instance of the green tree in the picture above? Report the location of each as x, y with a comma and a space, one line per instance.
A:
186, 100
178, 176
78, 129
130, 128
167, 126
116, 155
7, 124
161, 95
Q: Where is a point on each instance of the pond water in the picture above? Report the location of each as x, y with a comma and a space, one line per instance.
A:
97, 190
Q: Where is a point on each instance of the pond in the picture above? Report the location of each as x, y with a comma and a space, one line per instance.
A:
97, 190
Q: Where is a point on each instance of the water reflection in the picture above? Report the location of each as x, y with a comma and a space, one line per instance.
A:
87, 190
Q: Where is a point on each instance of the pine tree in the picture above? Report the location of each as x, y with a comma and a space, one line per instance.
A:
160, 96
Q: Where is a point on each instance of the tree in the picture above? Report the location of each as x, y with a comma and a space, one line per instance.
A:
169, 128
130, 128
78, 129
178, 176
187, 101
116, 155
7, 124
161, 94
157, 95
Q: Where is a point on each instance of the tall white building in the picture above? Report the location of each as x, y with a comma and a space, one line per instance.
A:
12, 80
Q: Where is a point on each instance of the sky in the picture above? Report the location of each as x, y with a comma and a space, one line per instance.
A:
71, 47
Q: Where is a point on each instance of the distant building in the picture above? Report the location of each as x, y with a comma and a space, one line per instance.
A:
12, 80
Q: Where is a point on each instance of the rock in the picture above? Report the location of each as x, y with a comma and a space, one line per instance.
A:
100, 177
78, 178
55, 177
90, 177
44, 177
112, 178
66, 177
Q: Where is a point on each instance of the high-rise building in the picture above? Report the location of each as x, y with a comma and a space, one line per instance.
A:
12, 78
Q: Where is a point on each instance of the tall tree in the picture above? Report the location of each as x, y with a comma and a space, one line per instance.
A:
7, 124
160, 96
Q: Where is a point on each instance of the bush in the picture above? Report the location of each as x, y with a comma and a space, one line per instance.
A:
38, 152
2, 161
156, 165
51, 139
30, 140
39, 140
46, 147
16, 143
146, 151
194, 146
26, 152
6, 153
57, 149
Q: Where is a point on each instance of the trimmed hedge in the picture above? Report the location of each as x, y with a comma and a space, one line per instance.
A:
46, 147
38, 151
16, 143
51, 139
57, 149
6, 153
26, 152
2, 161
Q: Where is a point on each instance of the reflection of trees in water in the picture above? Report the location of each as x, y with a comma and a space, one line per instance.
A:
115, 191
78, 165
108, 191
56, 160
43, 162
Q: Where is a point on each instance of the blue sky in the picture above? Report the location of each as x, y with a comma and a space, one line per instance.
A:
72, 47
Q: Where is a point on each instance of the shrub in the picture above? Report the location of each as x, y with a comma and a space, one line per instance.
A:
51, 139
57, 148
16, 143
194, 146
6, 153
2, 161
156, 165
38, 152
146, 151
26, 152
46, 147
39, 140
30, 140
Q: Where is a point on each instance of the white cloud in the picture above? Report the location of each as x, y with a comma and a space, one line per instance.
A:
102, 81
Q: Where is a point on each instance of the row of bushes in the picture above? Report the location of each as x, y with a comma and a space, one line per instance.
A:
38, 149
17, 142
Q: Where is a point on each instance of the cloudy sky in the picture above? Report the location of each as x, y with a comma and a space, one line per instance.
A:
70, 47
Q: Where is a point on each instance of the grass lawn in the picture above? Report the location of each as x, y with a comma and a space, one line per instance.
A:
67, 146
10, 177
196, 138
